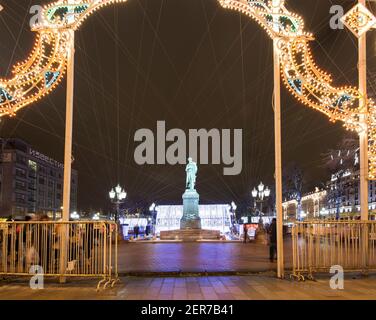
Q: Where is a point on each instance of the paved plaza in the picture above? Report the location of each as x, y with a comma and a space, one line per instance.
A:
253, 287
251, 277
144, 257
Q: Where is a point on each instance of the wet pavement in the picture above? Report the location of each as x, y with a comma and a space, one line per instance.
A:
253, 287
144, 257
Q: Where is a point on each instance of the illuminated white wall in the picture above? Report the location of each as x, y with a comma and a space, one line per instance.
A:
168, 218
132, 222
213, 217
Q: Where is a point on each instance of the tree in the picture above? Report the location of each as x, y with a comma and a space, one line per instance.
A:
293, 186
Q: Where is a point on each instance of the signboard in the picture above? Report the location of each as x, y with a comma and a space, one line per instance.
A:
44, 158
265, 220
251, 229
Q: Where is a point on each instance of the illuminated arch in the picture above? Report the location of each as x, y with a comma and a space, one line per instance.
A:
38, 75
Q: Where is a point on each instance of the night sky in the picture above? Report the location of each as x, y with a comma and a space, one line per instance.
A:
192, 64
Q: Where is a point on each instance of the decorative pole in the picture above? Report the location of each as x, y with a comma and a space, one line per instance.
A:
359, 20
363, 140
68, 127
363, 136
67, 152
278, 152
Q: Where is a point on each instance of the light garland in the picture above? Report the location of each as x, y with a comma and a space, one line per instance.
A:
44, 69
359, 20
38, 75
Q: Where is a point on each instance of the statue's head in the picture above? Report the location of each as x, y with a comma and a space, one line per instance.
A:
190, 159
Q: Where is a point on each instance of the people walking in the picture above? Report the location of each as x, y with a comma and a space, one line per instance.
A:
245, 233
147, 230
136, 231
273, 240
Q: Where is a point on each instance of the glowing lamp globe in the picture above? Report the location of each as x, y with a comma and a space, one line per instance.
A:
254, 193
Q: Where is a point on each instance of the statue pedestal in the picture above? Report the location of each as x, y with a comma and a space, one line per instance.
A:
190, 223
191, 218
190, 235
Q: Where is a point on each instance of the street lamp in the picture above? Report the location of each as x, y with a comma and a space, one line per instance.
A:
152, 207
233, 211
117, 197
153, 211
260, 194
75, 215
254, 193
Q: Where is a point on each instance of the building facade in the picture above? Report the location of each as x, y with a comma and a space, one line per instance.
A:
313, 206
343, 193
341, 198
31, 182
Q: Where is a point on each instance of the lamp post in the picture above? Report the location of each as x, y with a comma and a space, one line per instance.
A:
117, 197
153, 211
233, 213
260, 194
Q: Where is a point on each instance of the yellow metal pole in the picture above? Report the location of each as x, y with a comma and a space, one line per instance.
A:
278, 161
67, 153
363, 145
363, 136
277, 142
68, 129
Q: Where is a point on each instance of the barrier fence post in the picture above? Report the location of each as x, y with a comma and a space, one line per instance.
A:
294, 263
365, 247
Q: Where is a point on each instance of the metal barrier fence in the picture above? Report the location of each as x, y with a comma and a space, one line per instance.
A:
60, 249
317, 246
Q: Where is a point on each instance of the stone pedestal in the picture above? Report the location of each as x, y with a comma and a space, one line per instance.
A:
190, 223
190, 235
191, 218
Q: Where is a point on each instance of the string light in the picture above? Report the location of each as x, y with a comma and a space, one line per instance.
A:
38, 75
359, 20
